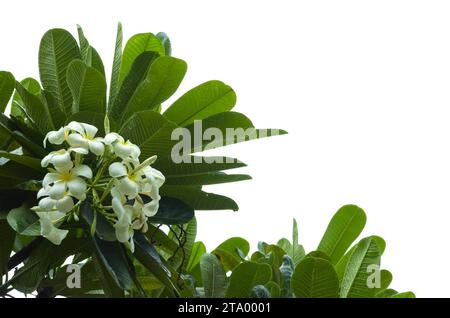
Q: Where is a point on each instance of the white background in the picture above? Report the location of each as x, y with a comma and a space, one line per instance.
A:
363, 87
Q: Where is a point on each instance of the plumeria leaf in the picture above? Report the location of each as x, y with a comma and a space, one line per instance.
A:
215, 280
201, 102
172, 211
246, 276
7, 236
24, 221
57, 49
7, 83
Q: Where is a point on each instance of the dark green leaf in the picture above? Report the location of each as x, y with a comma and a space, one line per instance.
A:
7, 236
24, 221
117, 60
246, 276
215, 280
7, 83
172, 211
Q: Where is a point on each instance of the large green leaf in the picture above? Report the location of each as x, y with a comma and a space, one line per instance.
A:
131, 82
229, 252
7, 236
198, 250
166, 42
355, 279
17, 105
246, 276
57, 49
36, 109
149, 257
117, 61
114, 259
225, 129
315, 278
7, 83
343, 229
294, 250
199, 200
136, 45
24, 221
207, 179
162, 80
89, 54
195, 165
215, 280
88, 87
24, 160
172, 211
201, 102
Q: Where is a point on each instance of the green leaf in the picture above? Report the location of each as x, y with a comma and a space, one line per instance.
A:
386, 279
136, 45
17, 105
149, 257
228, 254
89, 54
166, 42
172, 211
103, 229
36, 109
343, 229
196, 165
27, 161
355, 280
162, 80
198, 250
7, 83
57, 49
88, 87
404, 295
7, 236
201, 102
114, 259
207, 179
131, 82
24, 221
315, 278
199, 200
295, 252
117, 61
274, 289
246, 276
215, 280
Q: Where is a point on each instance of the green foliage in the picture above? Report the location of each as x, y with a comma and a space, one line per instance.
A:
272, 272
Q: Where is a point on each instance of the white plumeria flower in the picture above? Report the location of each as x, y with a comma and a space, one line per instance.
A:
48, 229
56, 137
154, 179
128, 181
69, 180
123, 226
61, 158
64, 204
84, 137
151, 208
123, 149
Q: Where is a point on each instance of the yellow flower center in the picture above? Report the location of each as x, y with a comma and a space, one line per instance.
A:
66, 176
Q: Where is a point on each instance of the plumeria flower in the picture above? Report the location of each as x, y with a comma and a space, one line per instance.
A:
56, 137
123, 226
154, 180
83, 136
128, 181
63, 204
48, 229
61, 158
67, 180
123, 149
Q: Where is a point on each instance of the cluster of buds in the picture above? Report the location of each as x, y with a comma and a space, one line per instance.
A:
118, 177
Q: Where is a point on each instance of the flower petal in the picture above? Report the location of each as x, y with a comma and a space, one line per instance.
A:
128, 187
65, 204
90, 130
47, 204
151, 208
77, 140
55, 137
76, 126
122, 150
77, 186
97, 147
50, 178
82, 171
58, 190
117, 170
111, 138
52, 233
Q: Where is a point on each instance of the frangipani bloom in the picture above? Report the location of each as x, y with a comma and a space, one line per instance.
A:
83, 136
61, 158
67, 181
128, 183
123, 149
48, 229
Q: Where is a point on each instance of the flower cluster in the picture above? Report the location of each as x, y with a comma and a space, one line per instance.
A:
119, 177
